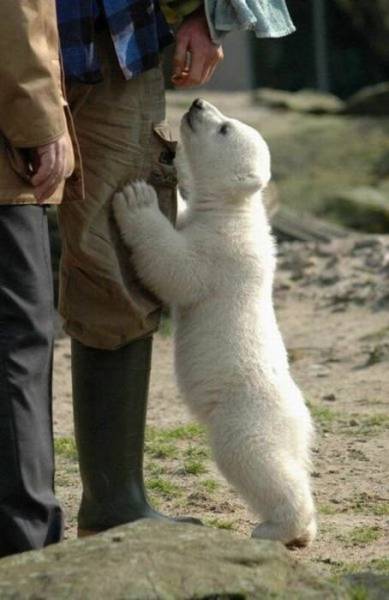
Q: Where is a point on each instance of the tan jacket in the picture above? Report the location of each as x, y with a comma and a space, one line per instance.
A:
32, 106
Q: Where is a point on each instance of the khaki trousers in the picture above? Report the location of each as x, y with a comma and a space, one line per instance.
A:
123, 137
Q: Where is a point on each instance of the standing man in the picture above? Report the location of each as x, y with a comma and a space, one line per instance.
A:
35, 157
111, 51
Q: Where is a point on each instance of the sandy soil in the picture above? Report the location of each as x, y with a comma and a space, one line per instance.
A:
332, 305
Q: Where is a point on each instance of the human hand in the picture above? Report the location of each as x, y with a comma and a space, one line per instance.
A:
196, 56
50, 163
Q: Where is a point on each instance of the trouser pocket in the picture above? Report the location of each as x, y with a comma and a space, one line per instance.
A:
163, 176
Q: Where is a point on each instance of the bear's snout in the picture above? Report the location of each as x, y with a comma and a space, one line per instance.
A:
198, 104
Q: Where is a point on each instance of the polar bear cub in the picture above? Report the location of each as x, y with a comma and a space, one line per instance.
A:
216, 272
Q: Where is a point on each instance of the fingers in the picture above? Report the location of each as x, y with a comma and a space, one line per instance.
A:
202, 68
203, 60
47, 158
51, 169
180, 58
193, 41
209, 69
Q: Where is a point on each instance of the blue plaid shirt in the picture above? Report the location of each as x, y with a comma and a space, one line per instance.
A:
138, 29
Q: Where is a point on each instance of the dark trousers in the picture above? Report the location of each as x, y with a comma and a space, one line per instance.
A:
30, 516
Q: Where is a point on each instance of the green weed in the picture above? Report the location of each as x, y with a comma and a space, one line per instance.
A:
327, 509
371, 505
360, 536
210, 485
163, 487
157, 448
380, 564
197, 452
165, 326
365, 425
357, 592
194, 467
220, 523
191, 431
322, 415
66, 447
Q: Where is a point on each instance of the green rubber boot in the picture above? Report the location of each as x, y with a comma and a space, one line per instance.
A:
110, 390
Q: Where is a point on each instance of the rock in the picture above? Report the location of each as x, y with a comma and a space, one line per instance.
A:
290, 225
158, 561
377, 353
329, 277
367, 585
329, 397
305, 101
361, 208
371, 100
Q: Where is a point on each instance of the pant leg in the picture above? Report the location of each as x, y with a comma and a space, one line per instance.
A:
123, 137
30, 516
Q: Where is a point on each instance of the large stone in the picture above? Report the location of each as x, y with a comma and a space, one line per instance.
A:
152, 560
370, 586
371, 100
149, 560
362, 208
305, 101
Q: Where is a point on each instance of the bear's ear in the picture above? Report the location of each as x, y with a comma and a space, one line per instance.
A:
250, 183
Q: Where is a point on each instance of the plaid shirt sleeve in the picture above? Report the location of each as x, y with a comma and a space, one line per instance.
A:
138, 29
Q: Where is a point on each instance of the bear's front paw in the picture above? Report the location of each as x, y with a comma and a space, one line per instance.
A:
131, 206
137, 196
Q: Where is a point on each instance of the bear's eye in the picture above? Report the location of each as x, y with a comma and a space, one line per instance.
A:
223, 128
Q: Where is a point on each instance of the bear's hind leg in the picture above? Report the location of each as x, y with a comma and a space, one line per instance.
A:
275, 485
276, 531
289, 514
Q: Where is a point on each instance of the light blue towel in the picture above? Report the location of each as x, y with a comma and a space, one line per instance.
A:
267, 18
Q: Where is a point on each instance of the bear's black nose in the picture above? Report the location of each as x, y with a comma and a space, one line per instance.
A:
198, 103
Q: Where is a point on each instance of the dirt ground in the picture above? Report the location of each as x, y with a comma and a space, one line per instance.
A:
333, 307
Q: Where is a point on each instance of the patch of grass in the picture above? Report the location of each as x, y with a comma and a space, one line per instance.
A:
361, 536
163, 487
191, 431
162, 443
155, 469
379, 564
66, 447
370, 505
219, 523
194, 467
322, 415
160, 449
327, 509
197, 452
366, 425
165, 326
338, 567
358, 592
210, 485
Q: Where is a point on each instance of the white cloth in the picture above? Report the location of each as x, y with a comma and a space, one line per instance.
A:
266, 18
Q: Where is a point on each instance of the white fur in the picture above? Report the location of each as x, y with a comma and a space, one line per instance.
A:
216, 271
